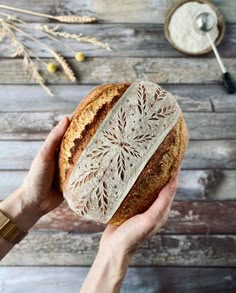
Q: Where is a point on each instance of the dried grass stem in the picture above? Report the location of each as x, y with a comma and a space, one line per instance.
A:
61, 18
78, 37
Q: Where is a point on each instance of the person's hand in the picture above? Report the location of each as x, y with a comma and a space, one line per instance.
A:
125, 239
38, 184
118, 244
37, 196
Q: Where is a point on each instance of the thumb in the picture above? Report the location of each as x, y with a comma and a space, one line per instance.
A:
54, 138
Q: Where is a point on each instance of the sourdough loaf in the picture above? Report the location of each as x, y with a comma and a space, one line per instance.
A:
163, 164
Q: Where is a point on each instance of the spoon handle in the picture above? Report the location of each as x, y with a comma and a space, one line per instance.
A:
227, 79
228, 83
222, 67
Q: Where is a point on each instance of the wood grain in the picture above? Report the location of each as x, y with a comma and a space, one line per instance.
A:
220, 154
139, 280
31, 98
126, 41
25, 98
151, 11
105, 70
185, 218
198, 185
60, 248
22, 125
206, 199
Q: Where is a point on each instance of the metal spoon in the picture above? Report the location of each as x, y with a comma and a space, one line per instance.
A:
204, 23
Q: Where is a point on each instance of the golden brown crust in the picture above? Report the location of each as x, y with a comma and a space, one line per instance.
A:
163, 165
85, 121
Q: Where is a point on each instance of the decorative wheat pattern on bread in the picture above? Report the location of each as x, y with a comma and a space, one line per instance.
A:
119, 140
163, 112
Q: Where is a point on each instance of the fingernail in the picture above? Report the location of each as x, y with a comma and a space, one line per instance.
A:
62, 121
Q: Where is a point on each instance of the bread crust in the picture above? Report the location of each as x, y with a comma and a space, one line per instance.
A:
162, 166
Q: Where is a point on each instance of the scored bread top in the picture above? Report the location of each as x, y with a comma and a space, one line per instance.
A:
163, 165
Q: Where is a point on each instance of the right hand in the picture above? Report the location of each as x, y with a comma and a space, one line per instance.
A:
125, 239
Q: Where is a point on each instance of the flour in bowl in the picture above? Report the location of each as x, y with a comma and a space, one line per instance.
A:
182, 31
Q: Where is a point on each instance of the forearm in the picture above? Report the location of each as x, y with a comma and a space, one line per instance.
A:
106, 274
17, 209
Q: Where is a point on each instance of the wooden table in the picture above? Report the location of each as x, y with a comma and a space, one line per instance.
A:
196, 250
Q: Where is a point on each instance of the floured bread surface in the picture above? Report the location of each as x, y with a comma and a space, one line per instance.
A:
161, 167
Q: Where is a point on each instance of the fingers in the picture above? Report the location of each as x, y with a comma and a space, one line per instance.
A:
53, 140
164, 200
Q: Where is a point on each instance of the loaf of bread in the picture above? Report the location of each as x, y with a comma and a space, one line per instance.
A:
138, 168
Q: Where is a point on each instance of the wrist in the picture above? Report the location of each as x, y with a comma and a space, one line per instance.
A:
116, 263
17, 208
106, 273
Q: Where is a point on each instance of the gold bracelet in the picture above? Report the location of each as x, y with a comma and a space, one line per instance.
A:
9, 230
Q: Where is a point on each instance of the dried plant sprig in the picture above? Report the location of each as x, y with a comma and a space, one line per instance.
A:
64, 44
60, 18
64, 64
12, 18
75, 18
21, 50
2, 34
78, 37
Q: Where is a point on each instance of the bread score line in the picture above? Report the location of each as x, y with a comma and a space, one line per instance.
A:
120, 149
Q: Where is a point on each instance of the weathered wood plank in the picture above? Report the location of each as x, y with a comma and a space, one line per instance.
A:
216, 184
210, 155
126, 41
21, 125
193, 184
185, 217
108, 70
26, 122
60, 248
211, 125
28, 98
18, 155
148, 279
151, 11
10, 181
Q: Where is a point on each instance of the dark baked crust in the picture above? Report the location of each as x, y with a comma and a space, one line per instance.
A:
163, 165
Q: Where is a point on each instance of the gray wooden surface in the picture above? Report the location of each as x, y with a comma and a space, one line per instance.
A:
162, 279
195, 251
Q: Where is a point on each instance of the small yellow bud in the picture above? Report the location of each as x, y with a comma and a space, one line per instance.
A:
80, 56
52, 67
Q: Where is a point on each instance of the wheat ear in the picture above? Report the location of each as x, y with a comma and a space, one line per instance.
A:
61, 18
21, 50
75, 19
64, 64
77, 37
66, 67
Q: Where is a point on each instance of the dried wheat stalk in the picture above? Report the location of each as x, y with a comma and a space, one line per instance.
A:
2, 34
21, 50
64, 64
79, 37
61, 18
74, 18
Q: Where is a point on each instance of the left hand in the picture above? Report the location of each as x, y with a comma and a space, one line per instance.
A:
38, 188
